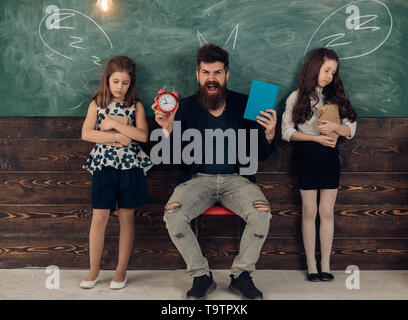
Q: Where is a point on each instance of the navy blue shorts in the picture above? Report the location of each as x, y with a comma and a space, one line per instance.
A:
127, 187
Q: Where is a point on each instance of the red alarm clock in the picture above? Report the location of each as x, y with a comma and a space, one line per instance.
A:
166, 100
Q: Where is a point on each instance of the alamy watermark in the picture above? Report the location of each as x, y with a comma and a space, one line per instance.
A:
353, 280
193, 151
53, 280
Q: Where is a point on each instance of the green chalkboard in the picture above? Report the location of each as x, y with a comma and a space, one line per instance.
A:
53, 51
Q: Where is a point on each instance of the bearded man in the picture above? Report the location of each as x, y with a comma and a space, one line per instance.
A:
206, 183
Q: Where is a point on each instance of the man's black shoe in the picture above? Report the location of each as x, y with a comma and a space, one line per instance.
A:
202, 286
245, 286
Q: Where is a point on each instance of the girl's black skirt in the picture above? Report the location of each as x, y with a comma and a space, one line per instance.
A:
319, 166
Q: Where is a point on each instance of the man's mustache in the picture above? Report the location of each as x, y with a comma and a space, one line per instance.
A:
213, 83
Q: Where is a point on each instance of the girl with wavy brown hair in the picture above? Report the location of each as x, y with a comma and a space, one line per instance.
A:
116, 123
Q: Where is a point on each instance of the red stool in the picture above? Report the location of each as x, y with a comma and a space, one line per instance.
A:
217, 211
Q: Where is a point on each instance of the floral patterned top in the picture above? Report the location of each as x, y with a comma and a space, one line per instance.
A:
128, 157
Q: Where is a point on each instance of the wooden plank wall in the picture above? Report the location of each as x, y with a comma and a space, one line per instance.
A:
45, 207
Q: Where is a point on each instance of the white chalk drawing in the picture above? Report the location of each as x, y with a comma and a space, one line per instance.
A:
235, 36
354, 22
201, 38
338, 36
76, 107
49, 56
53, 18
213, 7
97, 60
359, 25
234, 33
74, 44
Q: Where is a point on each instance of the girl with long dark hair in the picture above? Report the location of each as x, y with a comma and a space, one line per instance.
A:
319, 165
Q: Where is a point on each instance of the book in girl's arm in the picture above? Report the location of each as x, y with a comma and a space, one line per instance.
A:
121, 119
329, 112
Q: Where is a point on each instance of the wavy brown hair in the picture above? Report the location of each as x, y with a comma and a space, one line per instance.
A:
103, 95
308, 81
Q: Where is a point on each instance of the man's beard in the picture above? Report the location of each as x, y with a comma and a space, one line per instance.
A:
210, 101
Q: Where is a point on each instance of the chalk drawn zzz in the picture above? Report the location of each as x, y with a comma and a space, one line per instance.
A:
234, 33
355, 23
53, 18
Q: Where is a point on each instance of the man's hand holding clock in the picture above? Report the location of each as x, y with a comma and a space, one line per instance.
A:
165, 107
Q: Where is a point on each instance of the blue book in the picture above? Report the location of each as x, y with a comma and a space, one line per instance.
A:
262, 96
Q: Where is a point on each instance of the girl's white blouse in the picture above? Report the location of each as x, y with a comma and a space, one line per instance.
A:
310, 126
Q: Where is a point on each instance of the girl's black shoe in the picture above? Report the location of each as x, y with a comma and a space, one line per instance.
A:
313, 277
325, 276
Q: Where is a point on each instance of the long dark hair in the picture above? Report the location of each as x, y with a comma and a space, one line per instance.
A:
103, 95
308, 81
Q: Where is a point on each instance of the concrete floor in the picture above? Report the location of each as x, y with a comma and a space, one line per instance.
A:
31, 284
